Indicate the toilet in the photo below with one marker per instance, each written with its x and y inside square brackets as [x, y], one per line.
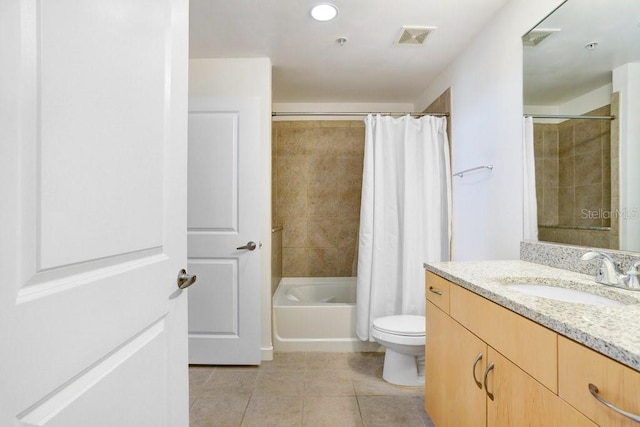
[403, 337]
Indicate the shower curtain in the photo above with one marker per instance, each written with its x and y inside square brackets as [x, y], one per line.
[404, 216]
[529, 203]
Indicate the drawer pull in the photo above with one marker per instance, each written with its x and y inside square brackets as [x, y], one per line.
[435, 291]
[486, 373]
[594, 392]
[473, 369]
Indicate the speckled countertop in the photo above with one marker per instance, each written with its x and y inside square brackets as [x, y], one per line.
[612, 331]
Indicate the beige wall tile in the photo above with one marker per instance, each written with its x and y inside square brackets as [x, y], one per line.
[588, 167]
[550, 172]
[322, 202]
[295, 232]
[322, 262]
[295, 262]
[317, 194]
[595, 238]
[550, 204]
[550, 144]
[566, 205]
[292, 202]
[588, 136]
[565, 139]
[566, 171]
[322, 233]
[588, 205]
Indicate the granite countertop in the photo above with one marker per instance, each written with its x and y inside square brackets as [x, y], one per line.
[612, 331]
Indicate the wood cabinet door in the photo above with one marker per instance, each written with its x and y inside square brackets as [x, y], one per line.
[519, 400]
[452, 397]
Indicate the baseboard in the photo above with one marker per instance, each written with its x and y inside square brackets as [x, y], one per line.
[266, 353]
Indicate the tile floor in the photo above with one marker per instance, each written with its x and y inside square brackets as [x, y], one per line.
[304, 389]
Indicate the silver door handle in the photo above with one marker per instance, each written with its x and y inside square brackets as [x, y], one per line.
[594, 392]
[473, 369]
[185, 280]
[250, 246]
[486, 374]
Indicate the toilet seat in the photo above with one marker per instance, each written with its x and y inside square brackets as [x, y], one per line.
[403, 325]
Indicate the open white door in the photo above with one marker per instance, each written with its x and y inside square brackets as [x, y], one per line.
[224, 215]
[93, 121]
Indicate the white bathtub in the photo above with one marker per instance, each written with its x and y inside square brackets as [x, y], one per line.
[316, 314]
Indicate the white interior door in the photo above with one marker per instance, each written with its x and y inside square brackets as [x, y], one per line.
[223, 215]
[93, 111]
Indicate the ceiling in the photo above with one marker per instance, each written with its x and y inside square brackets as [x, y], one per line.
[560, 68]
[309, 65]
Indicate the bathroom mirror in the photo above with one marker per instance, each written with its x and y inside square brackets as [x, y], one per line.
[584, 59]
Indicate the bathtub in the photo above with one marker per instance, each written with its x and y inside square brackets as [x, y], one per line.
[316, 314]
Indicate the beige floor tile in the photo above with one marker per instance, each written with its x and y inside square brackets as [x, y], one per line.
[327, 361]
[286, 361]
[230, 382]
[317, 386]
[198, 377]
[218, 411]
[370, 385]
[279, 383]
[397, 411]
[273, 411]
[325, 382]
[331, 411]
[366, 363]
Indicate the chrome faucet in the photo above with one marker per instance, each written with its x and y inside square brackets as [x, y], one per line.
[610, 272]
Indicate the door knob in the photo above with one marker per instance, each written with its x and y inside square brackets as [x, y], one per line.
[185, 280]
[250, 246]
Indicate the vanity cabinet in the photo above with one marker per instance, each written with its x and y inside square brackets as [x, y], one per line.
[488, 366]
[580, 366]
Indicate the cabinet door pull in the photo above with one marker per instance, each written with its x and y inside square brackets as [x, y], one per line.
[594, 392]
[435, 291]
[473, 369]
[486, 373]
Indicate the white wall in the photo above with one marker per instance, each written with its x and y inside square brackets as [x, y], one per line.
[577, 106]
[337, 108]
[247, 77]
[486, 91]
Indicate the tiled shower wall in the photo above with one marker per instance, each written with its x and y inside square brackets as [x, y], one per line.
[574, 170]
[317, 181]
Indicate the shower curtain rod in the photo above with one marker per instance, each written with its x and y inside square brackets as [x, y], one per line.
[399, 113]
[568, 116]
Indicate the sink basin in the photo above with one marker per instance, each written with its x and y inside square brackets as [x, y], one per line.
[564, 294]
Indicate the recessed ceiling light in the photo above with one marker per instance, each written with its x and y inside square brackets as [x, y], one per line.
[324, 12]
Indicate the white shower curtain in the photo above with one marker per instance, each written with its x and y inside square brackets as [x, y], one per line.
[529, 205]
[404, 217]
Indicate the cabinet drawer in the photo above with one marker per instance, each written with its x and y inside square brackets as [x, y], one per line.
[618, 384]
[437, 291]
[530, 346]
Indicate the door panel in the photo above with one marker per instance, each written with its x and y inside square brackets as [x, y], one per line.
[224, 309]
[452, 397]
[93, 166]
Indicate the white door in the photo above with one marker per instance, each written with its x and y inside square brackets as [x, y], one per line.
[93, 121]
[223, 215]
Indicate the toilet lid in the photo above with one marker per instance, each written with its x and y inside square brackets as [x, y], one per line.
[407, 325]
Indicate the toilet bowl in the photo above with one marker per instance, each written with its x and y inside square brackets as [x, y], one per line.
[403, 337]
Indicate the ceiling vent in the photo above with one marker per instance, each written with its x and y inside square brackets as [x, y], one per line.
[537, 35]
[415, 35]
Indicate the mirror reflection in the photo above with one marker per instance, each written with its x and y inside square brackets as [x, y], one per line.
[582, 86]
